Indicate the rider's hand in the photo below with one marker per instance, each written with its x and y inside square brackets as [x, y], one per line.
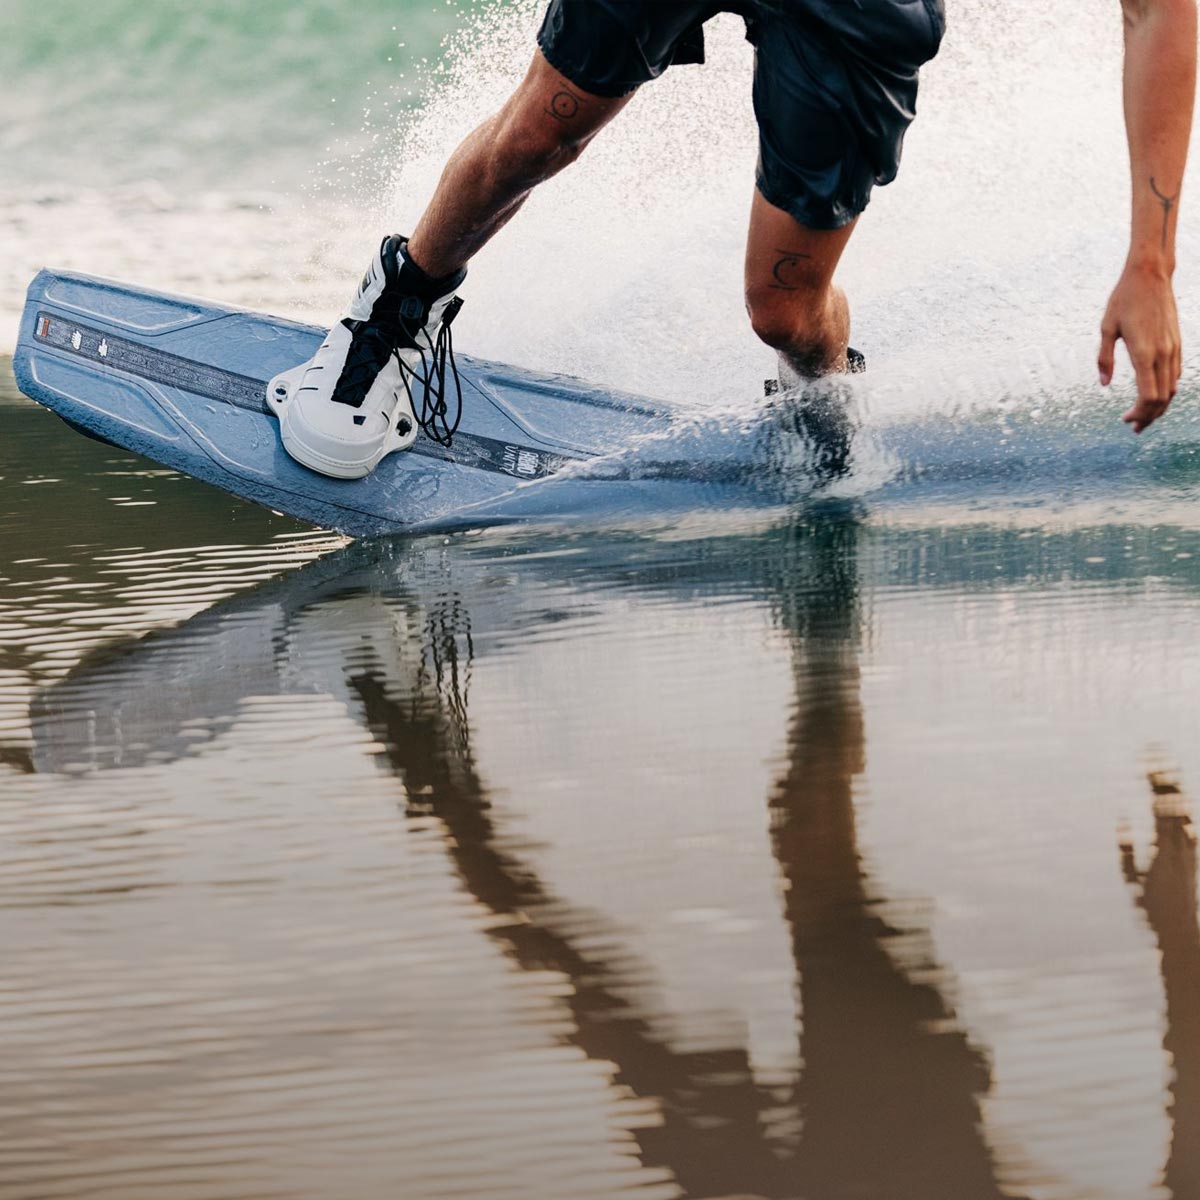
[1142, 313]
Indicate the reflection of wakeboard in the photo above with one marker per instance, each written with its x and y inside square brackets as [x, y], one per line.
[183, 382]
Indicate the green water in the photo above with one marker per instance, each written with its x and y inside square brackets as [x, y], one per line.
[215, 94]
[241, 151]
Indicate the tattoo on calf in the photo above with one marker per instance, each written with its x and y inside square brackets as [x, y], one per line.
[1168, 203]
[783, 272]
[563, 106]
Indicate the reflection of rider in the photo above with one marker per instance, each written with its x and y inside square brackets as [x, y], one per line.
[712, 1136]
[1166, 893]
[889, 1093]
[887, 1101]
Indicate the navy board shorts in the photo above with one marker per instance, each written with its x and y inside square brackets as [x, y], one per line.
[835, 81]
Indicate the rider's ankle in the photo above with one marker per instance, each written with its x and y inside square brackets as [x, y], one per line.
[437, 285]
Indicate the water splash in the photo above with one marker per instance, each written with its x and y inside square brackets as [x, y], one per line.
[979, 276]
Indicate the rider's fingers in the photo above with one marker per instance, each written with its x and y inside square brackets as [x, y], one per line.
[1143, 414]
[1164, 373]
[1149, 405]
[1108, 348]
[1147, 377]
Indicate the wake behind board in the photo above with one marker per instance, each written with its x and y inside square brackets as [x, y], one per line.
[183, 382]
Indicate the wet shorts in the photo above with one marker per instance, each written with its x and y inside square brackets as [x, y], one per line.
[835, 81]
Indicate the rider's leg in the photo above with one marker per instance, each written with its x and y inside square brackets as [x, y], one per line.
[387, 368]
[542, 128]
[793, 303]
[835, 88]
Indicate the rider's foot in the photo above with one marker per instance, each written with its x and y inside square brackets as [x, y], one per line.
[819, 410]
[379, 375]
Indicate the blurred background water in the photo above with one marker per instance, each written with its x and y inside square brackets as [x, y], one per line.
[842, 852]
[185, 144]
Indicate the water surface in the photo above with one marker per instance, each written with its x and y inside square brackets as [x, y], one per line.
[848, 855]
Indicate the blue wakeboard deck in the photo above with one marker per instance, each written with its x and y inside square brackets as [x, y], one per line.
[183, 382]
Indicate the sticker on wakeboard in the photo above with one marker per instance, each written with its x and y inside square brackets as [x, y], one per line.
[146, 362]
[214, 383]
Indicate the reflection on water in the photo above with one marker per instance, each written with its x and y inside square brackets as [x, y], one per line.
[769, 863]
[1166, 893]
[888, 1095]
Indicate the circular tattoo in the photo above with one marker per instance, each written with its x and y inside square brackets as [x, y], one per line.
[563, 107]
[785, 267]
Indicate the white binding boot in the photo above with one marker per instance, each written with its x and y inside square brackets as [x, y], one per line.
[380, 374]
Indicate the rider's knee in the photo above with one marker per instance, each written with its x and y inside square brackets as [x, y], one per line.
[792, 321]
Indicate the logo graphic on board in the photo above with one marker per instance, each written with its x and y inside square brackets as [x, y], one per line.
[77, 339]
[518, 461]
[102, 349]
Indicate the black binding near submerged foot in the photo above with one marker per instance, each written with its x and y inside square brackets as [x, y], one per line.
[819, 416]
[856, 364]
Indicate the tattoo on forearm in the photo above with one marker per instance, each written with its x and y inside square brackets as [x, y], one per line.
[563, 106]
[784, 270]
[1168, 203]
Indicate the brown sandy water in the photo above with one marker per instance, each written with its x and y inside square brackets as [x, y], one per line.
[847, 858]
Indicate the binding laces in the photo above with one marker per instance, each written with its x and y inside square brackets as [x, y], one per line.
[438, 418]
[439, 412]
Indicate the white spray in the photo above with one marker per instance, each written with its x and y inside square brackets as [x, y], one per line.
[978, 277]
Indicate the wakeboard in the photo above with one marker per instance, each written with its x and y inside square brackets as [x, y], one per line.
[183, 382]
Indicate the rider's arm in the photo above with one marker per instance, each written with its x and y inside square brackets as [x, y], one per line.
[1160, 86]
